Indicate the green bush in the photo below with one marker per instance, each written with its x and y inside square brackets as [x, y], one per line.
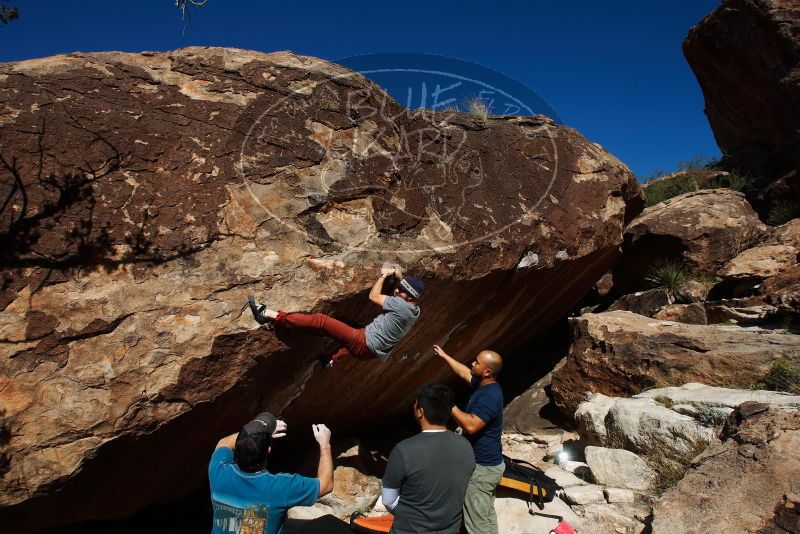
[669, 274]
[784, 375]
[660, 190]
[710, 417]
[693, 175]
[734, 181]
[671, 465]
[783, 212]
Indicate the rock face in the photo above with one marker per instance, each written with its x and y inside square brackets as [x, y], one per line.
[147, 194]
[694, 313]
[643, 302]
[741, 484]
[724, 400]
[760, 262]
[703, 229]
[639, 425]
[354, 490]
[528, 412]
[746, 56]
[619, 468]
[620, 353]
[783, 290]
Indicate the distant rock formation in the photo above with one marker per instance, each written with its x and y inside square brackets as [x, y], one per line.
[746, 56]
[146, 195]
[702, 229]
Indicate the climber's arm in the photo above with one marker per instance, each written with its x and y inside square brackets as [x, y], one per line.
[375, 294]
[458, 368]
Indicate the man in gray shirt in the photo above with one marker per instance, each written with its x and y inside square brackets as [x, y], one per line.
[427, 474]
[400, 312]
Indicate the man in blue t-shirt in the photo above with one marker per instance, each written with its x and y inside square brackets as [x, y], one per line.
[248, 499]
[482, 423]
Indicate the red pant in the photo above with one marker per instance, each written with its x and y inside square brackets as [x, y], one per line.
[353, 340]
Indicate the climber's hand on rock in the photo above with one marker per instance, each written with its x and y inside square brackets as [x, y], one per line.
[280, 430]
[439, 352]
[387, 268]
[322, 434]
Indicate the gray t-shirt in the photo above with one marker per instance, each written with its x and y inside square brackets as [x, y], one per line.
[396, 319]
[431, 470]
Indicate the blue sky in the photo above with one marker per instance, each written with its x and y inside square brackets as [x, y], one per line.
[612, 70]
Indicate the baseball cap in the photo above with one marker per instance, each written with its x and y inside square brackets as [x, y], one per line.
[253, 441]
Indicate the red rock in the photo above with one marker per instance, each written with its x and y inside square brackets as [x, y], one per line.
[693, 313]
[620, 354]
[702, 229]
[746, 56]
[162, 188]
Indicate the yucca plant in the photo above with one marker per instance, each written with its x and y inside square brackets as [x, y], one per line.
[783, 212]
[478, 110]
[669, 274]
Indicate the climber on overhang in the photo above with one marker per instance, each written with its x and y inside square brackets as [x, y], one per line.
[400, 312]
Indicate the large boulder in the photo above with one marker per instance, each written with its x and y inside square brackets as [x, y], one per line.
[742, 483]
[760, 262]
[354, 489]
[742, 275]
[639, 425]
[703, 398]
[783, 290]
[702, 229]
[746, 56]
[619, 468]
[146, 195]
[619, 354]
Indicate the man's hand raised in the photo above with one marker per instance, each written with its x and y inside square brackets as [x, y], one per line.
[458, 368]
[280, 429]
[439, 351]
[322, 434]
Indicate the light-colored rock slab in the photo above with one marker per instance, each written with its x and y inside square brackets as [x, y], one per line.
[619, 495]
[513, 516]
[641, 425]
[584, 494]
[760, 262]
[696, 394]
[619, 468]
[564, 478]
[607, 515]
[590, 417]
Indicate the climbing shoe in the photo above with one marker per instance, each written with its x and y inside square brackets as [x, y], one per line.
[257, 310]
